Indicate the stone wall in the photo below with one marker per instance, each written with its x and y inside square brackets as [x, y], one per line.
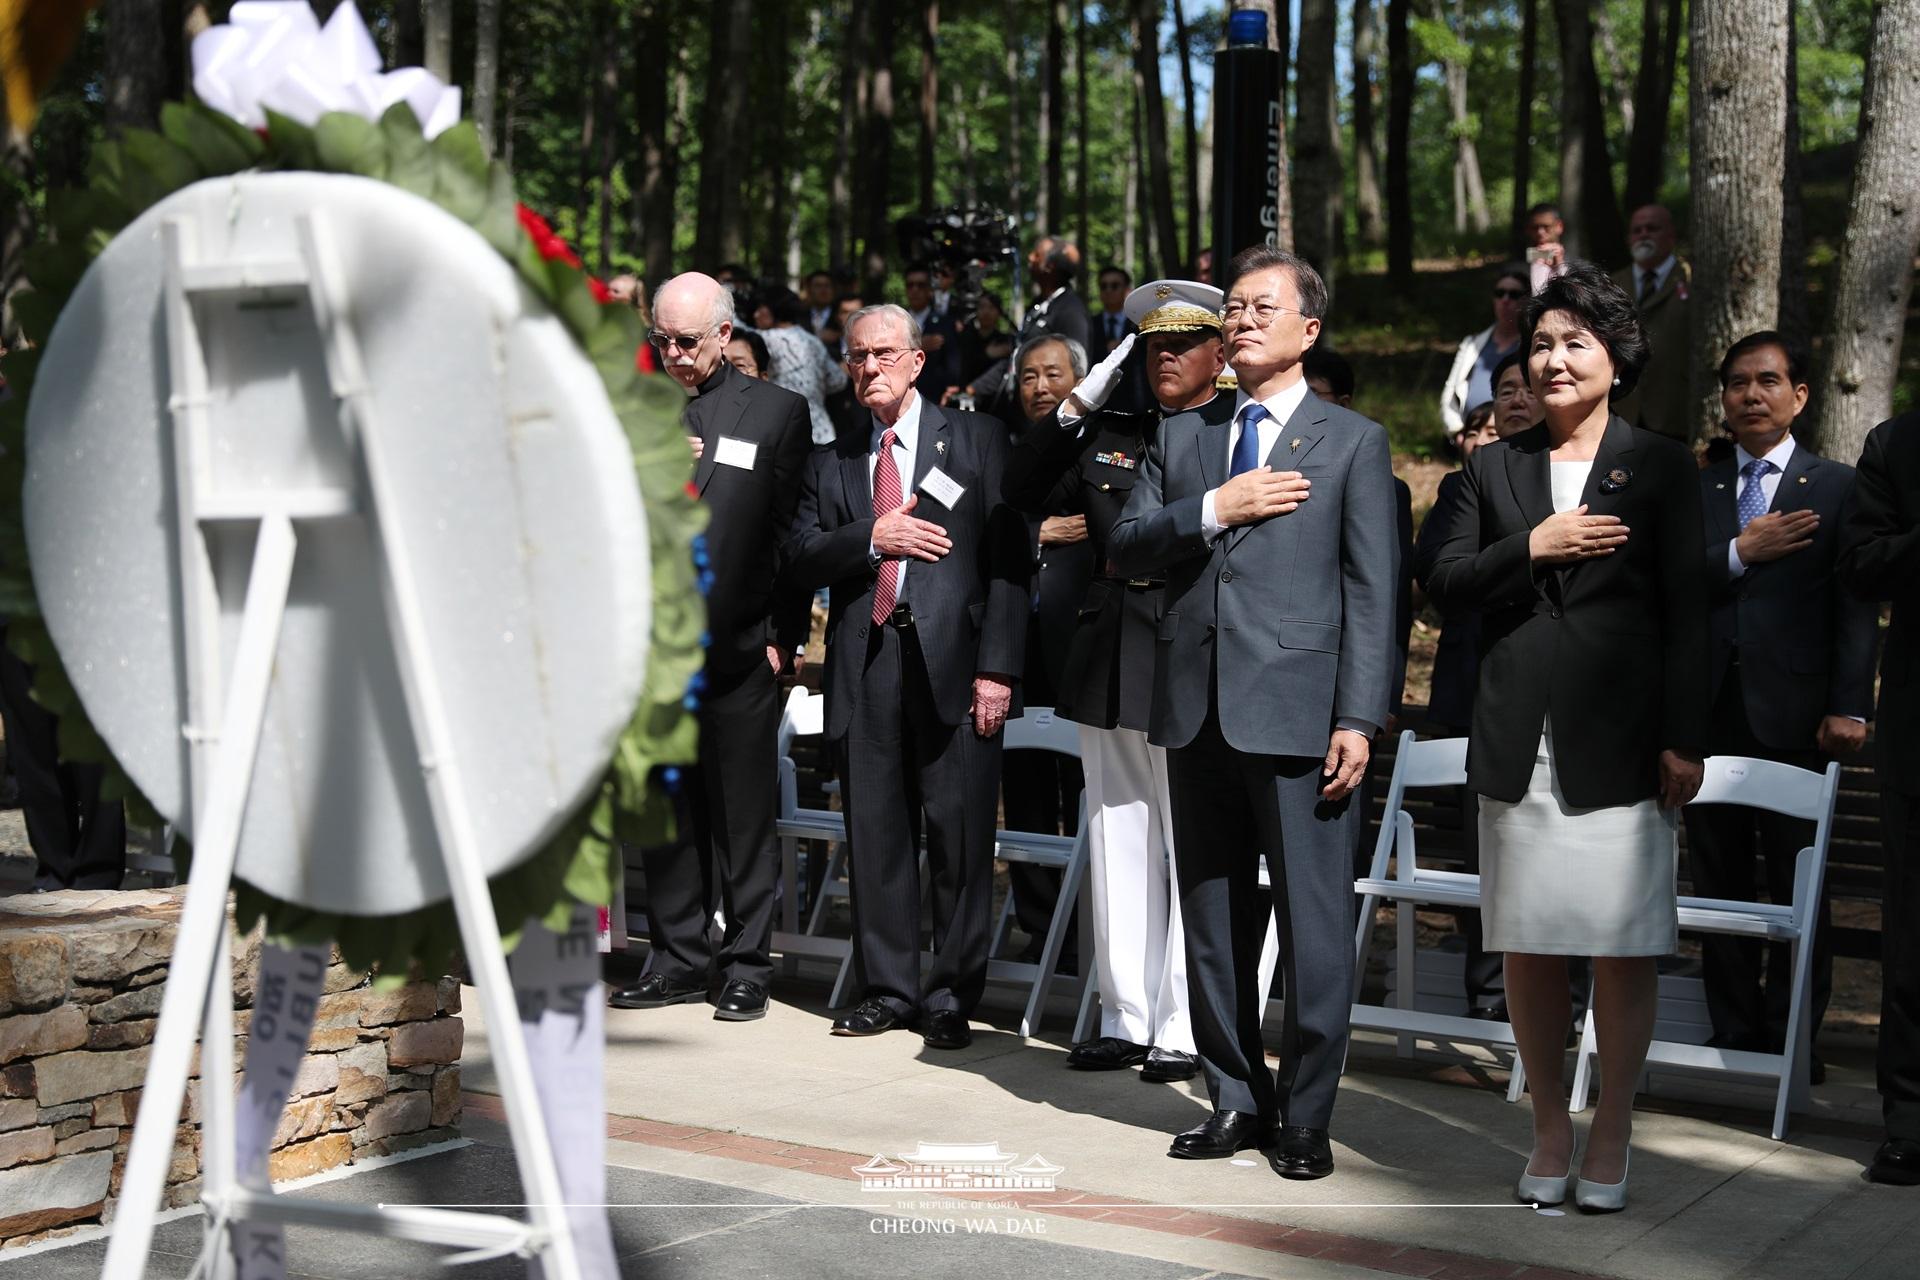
[81, 977]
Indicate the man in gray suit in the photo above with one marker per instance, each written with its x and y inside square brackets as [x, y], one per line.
[1275, 664]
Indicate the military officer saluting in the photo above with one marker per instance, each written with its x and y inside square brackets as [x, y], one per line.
[1082, 460]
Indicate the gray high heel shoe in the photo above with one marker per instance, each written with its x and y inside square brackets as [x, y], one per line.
[1532, 1188]
[1603, 1197]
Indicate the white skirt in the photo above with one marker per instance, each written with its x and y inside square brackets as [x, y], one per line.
[1556, 880]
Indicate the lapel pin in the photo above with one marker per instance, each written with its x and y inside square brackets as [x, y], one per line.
[1720, 486]
[940, 447]
[1616, 480]
[1803, 479]
[1294, 444]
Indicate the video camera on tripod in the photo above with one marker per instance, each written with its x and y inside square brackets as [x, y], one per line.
[972, 240]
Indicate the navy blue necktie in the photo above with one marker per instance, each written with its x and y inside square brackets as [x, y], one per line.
[1246, 450]
[1753, 496]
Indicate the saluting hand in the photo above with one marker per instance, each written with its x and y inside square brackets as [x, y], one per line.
[1257, 494]
[900, 533]
[1571, 536]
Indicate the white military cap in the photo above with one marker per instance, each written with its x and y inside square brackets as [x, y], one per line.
[1175, 306]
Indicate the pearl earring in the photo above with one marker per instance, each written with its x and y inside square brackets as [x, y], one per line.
[1616, 382]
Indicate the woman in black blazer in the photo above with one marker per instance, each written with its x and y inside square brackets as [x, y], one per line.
[1580, 542]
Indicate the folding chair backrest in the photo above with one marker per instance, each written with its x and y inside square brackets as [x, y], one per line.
[1039, 729]
[1435, 762]
[804, 716]
[1770, 785]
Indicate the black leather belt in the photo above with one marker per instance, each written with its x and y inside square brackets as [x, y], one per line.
[901, 617]
[1144, 584]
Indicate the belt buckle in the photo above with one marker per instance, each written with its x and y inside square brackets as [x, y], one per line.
[901, 617]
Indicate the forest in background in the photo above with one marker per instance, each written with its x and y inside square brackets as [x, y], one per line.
[790, 135]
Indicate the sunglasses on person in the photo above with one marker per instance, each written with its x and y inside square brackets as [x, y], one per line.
[685, 341]
[1511, 295]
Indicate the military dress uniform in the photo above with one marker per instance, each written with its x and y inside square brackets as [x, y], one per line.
[1087, 466]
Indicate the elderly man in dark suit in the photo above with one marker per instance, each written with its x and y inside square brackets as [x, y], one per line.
[927, 571]
[750, 440]
[1275, 663]
[1880, 560]
[1659, 282]
[1792, 670]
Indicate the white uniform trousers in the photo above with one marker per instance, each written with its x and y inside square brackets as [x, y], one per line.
[1139, 949]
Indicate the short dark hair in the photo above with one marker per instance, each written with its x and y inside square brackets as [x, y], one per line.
[917, 268]
[1061, 258]
[762, 358]
[1306, 281]
[1114, 269]
[1325, 362]
[786, 306]
[1545, 206]
[820, 274]
[1515, 271]
[1517, 356]
[988, 295]
[1796, 360]
[1604, 309]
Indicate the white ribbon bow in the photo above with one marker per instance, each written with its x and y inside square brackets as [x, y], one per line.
[273, 54]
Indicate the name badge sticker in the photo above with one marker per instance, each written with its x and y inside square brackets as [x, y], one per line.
[736, 453]
[943, 487]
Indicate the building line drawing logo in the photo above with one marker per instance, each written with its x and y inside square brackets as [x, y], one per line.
[957, 1166]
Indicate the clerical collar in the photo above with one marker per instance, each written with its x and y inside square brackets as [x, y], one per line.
[714, 379]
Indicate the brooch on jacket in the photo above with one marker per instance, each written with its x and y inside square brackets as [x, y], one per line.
[1116, 459]
[1616, 480]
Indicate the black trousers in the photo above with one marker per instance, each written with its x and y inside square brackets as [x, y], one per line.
[1732, 851]
[733, 854]
[1039, 791]
[899, 765]
[78, 839]
[1230, 807]
[1900, 962]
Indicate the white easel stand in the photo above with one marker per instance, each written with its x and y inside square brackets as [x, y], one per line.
[199, 986]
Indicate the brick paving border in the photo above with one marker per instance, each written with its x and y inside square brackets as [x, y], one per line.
[1299, 1242]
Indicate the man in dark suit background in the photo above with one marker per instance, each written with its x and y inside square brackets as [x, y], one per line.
[1880, 560]
[1275, 660]
[1111, 326]
[750, 440]
[939, 337]
[927, 573]
[1792, 672]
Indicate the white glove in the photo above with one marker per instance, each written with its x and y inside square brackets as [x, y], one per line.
[1099, 382]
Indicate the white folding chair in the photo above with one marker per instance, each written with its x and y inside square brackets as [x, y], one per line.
[1439, 762]
[1795, 793]
[804, 717]
[1037, 729]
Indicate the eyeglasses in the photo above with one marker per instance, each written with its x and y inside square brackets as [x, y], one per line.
[685, 341]
[1261, 313]
[887, 356]
[1511, 294]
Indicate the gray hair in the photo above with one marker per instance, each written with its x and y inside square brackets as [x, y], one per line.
[1076, 353]
[719, 298]
[888, 311]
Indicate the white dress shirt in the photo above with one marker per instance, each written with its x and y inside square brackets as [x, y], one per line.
[906, 444]
[1779, 456]
[1280, 407]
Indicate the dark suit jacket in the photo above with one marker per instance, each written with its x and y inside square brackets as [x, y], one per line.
[1402, 591]
[751, 513]
[1297, 610]
[1806, 646]
[1880, 560]
[970, 607]
[1109, 669]
[1065, 316]
[1456, 660]
[1615, 648]
[1098, 344]
[942, 369]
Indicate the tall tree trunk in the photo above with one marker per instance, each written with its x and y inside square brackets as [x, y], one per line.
[1736, 97]
[1146, 61]
[929, 97]
[786, 74]
[1182, 37]
[853, 62]
[1316, 140]
[599, 35]
[1083, 172]
[878, 151]
[1016, 119]
[1883, 233]
[1618, 82]
[1053, 120]
[1652, 95]
[1366, 165]
[1594, 227]
[17, 230]
[1399, 130]
[136, 70]
[1794, 323]
[656, 185]
[436, 31]
[407, 35]
[1470, 193]
[486, 68]
[607, 86]
[963, 139]
[1523, 120]
[1130, 194]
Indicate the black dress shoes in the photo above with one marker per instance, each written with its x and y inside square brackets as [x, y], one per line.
[1300, 1153]
[657, 991]
[1223, 1134]
[1896, 1163]
[742, 1001]
[945, 1029]
[1165, 1066]
[870, 1017]
[1106, 1053]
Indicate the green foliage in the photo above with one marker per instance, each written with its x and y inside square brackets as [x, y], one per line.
[143, 168]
